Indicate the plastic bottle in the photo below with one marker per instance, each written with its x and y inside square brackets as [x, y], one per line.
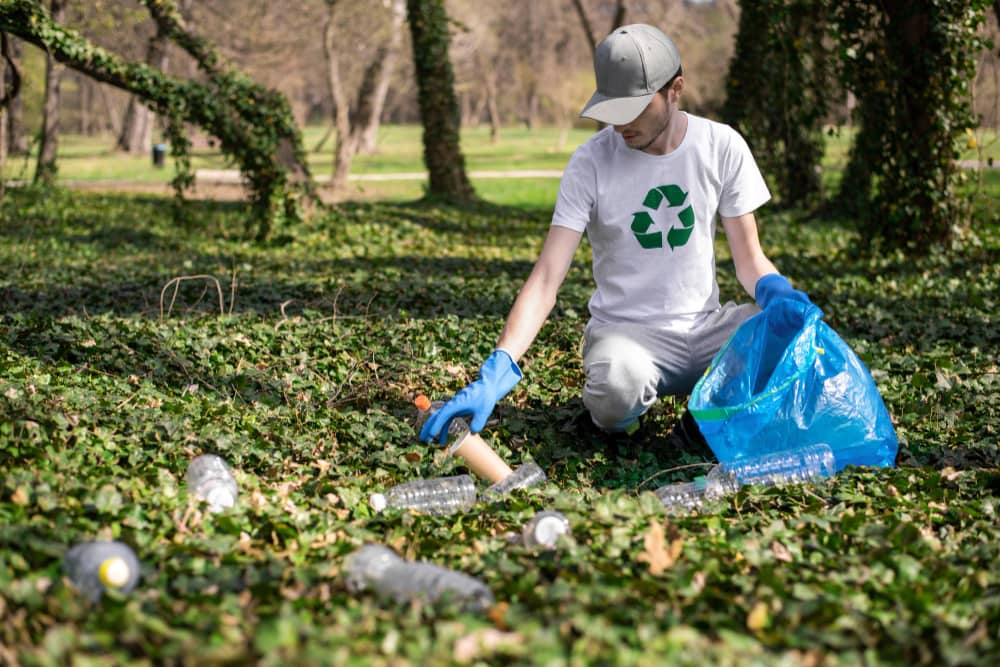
[682, 496]
[94, 567]
[544, 529]
[209, 479]
[793, 466]
[478, 456]
[379, 568]
[437, 495]
[527, 475]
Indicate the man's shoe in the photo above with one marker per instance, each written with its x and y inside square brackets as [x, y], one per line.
[686, 434]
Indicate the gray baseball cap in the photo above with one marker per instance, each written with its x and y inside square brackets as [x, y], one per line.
[631, 65]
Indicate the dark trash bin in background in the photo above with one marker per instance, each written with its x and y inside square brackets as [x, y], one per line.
[159, 154]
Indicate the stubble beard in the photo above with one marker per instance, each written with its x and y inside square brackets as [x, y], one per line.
[663, 128]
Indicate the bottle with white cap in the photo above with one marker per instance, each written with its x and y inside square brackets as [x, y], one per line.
[544, 529]
[95, 567]
[436, 495]
[209, 479]
[379, 568]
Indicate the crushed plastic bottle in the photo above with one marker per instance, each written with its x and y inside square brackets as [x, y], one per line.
[437, 495]
[544, 529]
[95, 567]
[478, 456]
[380, 569]
[794, 466]
[458, 429]
[209, 479]
[526, 475]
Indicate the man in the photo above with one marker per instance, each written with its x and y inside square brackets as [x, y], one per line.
[646, 190]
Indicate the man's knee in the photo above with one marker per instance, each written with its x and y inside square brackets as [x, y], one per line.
[620, 386]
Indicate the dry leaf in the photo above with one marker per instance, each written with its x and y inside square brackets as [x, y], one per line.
[781, 552]
[655, 553]
[758, 617]
[698, 581]
[20, 496]
[498, 615]
[950, 473]
[483, 642]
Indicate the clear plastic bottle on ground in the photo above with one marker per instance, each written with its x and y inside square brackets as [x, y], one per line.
[209, 479]
[95, 567]
[380, 569]
[793, 466]
[437, 495]
[477, 454]
[544, 529]
[527, 475]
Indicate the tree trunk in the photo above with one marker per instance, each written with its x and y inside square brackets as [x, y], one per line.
[136, 136]
[436, 98]
[585, 23]
[113, 122]
[4, 93]
[488, 77]
[45, 170]
[371, 122]
[17, 138]
[344, 151]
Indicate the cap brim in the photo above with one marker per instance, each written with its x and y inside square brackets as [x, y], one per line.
[615, 110]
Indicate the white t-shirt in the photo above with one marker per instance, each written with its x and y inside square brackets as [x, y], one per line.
[651, 219]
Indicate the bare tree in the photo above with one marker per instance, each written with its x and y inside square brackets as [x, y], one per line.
[616, 22]
[45, 170]
[136, 135]
[372, 102]
[344, 152]
[357, 124]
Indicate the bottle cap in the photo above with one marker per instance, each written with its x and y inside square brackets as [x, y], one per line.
[114, 572]
[422, 402]
[547, 528]
[378, 502]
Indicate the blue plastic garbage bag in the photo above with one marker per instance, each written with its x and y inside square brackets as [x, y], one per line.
[785, 379]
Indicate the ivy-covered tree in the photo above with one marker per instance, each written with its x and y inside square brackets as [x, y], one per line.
[48, 143]
[777, 92]
[254, 125]
[439, 110]
[911, 65]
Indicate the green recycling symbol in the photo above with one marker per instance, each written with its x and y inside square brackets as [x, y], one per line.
[642, 220]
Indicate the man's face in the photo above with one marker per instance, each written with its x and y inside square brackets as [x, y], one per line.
[648, 129]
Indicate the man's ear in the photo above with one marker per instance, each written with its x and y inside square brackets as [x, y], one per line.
[677, 87]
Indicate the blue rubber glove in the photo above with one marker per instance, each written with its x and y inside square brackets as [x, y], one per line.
[497, 377]
[774, 286]
[772, 292]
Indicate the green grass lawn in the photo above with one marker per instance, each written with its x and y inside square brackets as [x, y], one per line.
[303, 381]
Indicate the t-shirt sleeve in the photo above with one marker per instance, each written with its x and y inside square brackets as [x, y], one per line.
[743, 188]
[576, 192]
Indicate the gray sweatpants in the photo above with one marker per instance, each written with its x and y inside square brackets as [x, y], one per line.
[629, 366]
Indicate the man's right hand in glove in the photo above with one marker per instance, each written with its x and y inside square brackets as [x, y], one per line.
[497, 376]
